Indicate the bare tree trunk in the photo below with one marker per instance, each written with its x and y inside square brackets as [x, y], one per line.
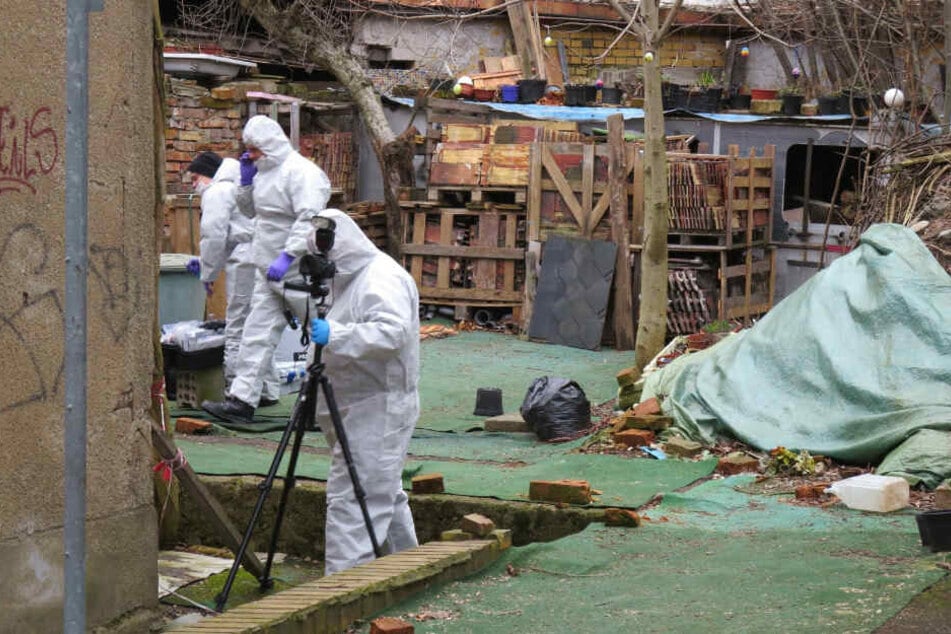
[652, 317]
[285, 26]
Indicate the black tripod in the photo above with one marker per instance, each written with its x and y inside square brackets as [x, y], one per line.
[302, 418]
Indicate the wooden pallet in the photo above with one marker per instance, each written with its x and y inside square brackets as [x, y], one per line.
[461, 195]
[465, 257]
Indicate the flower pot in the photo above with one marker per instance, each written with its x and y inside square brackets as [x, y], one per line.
[828, 104]
[740, 102]
[510, 93]
[704, 100]
[484, 94]
[590, 94]
[611, 95]
[859, 105]
[792, 105]
[574, 95]
[763, 93]
[531, 90]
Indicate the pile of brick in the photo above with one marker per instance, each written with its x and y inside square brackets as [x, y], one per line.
[476, 526]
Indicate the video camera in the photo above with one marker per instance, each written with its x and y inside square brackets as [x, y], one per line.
[316, 267]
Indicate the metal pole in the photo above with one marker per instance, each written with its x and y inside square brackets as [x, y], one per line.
[806, 191]
[74, 438]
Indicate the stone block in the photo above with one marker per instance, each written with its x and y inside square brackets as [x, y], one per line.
[390, 625]
[942, 495]
[456, 535]
[566, 491]
[213, 122]
[478, 525]
[737, 462]
[633, 437]
[507, 423]
[766, 106]
[627, 376]
[621, 517]
[503, 536]
[681, 447]
[627, 396]
[654, 423]
[428, 483]
[223, 93]
[650, 407]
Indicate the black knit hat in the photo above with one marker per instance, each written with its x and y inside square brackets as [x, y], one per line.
[206, 164]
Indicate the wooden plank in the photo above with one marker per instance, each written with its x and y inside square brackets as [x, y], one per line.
[562, 186]
[534, 191]
[624, 335]
[587, 182]
[419, 237]
[461, 251]
[488, 236]
[508, 268]
[739, 270]
[205, 500]
[445, 238]
[521, 34]
[470, 294]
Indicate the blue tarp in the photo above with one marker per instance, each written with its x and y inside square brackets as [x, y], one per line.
[851, 364]
[586, 114]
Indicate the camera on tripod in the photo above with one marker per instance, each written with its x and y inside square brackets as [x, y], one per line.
[316, 267]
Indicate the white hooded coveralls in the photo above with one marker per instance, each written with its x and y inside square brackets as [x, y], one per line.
[226, 245]
[288, 190]
[372, 361]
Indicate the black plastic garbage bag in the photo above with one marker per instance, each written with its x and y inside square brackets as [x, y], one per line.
[556, 408]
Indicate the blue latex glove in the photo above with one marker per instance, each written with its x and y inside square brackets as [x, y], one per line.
[248, 169]
[194, 267]
[209, 288]
[279, 266]
[319, 331]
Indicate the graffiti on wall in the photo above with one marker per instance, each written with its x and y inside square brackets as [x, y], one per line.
[29, 148]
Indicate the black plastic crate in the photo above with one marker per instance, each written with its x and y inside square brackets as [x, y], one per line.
[934, 527]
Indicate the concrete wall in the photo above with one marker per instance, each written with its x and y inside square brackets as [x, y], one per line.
[121, 527]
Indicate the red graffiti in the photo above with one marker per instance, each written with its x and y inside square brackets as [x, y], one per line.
[28, 148]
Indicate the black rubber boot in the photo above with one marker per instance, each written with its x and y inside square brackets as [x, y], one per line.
[268, 402]
[231, 410]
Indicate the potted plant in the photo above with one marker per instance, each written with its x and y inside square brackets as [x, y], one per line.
[833, 102]
[704, 95]
[791, 96]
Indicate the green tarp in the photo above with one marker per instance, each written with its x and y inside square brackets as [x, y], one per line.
[848, 366]
[711, 559]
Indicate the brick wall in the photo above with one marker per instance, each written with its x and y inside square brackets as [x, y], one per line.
[682, 55]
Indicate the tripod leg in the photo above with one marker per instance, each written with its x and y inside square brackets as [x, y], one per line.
[348, 458]
[265, 488]
[289, 481]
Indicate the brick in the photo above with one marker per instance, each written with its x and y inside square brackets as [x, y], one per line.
[633, 437]
[507, 423]
[811, 491]
[215, 104]
[942, 495]
[681, 447]
[627, 376]
[390, 625]
[191, 135]
[477, 524]
[455, 535]
[187, 425]
[567, 491]
[650, 407]
[737, 463]
[621, 517]
[428, 483]
[213, 122]
[654, 423]
[503, 536]
[223, 93]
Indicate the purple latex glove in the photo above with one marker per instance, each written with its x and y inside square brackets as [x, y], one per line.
[279, 266]
[319, 331]
[194, 267]
[209, 288]
[248, 169]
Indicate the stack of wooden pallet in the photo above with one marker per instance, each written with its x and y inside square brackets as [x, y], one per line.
[371, 217]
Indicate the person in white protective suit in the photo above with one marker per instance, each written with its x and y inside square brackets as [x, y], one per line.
[226, 246]
[370, 349]
[286, 191]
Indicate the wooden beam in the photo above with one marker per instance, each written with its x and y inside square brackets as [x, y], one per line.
[563, 187]
[624, 335]
[453, 251]
[205, 500]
